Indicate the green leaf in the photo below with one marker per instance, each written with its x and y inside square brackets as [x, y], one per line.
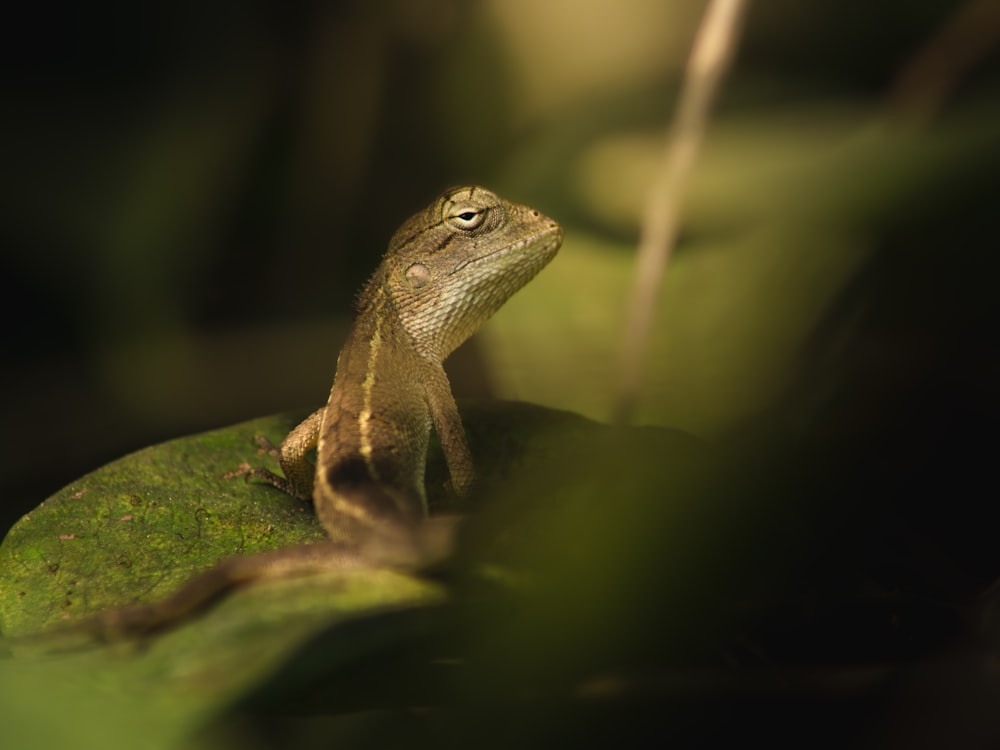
[134, 530]
[131, 532]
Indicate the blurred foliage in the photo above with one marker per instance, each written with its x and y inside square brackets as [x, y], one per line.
[193, 196]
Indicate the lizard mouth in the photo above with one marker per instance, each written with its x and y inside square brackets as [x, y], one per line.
[545, 240]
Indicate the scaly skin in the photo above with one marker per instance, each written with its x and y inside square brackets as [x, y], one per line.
[447, 270]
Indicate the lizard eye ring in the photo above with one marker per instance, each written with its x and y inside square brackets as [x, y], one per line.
[466, 218]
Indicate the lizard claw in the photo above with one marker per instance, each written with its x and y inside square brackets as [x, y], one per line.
[249, 472]
[270, 478]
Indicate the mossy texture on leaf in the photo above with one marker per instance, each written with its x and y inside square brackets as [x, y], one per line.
[132, 532]
[134, 529]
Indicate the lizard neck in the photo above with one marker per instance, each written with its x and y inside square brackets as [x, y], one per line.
[375, 428]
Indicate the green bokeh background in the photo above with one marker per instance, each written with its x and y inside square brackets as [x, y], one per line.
[191, 197]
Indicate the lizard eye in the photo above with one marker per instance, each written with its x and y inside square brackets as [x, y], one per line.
[467, 219]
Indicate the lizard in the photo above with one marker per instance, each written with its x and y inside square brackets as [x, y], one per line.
[447, 270]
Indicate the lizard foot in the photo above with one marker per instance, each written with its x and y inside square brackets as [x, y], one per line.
[249, 472]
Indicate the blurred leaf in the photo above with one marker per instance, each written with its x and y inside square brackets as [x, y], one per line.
[783, 210]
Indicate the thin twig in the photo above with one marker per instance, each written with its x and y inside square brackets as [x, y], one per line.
[710, 55]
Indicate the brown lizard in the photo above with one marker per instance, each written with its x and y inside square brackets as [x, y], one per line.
[447, 270]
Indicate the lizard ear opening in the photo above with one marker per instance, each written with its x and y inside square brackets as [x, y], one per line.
[418, 275]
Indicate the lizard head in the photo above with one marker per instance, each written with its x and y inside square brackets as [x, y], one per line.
[454, 264]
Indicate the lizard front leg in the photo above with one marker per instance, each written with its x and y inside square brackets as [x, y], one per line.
[448, 424]
[299, 473]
